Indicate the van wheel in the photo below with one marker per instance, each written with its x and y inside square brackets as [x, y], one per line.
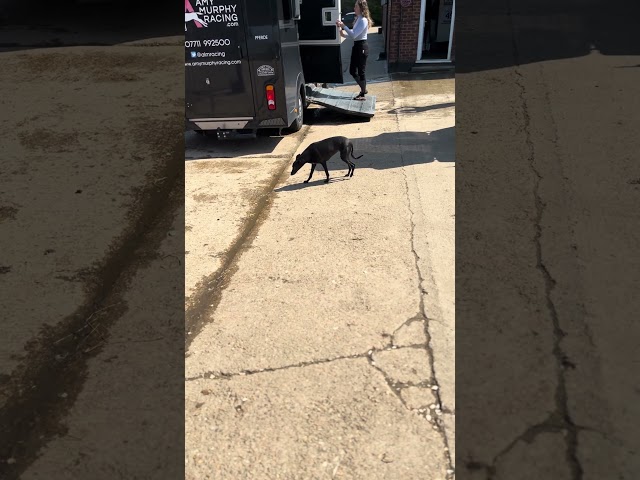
[298, 122]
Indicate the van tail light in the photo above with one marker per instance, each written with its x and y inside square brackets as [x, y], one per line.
[271, 97]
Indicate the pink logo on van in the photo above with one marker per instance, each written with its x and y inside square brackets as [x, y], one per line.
[191, 15]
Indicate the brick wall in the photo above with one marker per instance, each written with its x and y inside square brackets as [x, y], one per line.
[401, 34]
[402, 37]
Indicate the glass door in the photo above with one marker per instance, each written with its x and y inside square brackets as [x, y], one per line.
[436, 31]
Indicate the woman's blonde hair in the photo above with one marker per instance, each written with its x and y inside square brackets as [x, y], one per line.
[364, 10]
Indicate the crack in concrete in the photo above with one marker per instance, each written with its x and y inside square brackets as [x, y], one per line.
[582, 309]
[423, 411]
[395, 386]
[422, 313]
[562, 408]
[406, 323]
[219, 375]
[390, 383]
[553, 424]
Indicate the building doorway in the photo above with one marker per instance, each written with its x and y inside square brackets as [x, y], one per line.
[436, 31]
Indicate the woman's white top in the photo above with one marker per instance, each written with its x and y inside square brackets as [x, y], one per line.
[359, 31]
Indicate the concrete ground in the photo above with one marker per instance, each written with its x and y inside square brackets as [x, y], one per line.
[550, 205]
[320, 317]
[91, 217]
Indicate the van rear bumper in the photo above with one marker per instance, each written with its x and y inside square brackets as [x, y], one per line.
[218, 123]
[239, 123]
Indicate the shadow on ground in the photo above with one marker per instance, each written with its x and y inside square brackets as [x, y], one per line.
[326, 116]
[199, 146]
[382, 152]
[320, 180]
[204, 146]
[486, 32]
[411, 110]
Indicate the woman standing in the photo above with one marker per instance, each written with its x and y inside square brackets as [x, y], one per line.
[360, 50]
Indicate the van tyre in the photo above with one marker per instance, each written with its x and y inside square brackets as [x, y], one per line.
[299, 121]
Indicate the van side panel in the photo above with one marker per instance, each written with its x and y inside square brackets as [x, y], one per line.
[217, 76]
[234, 49]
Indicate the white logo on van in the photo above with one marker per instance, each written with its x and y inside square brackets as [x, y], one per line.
[266, 71]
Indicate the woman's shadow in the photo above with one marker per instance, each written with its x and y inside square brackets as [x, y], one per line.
[389, 150]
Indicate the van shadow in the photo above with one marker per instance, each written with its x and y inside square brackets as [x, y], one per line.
[326, 116]
[318, 115]
[199, 147]
[383, 152]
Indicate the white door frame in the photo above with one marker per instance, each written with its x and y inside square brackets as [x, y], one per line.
[423, 8]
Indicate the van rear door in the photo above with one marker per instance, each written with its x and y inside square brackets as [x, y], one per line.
[320, 41]
[217, 77]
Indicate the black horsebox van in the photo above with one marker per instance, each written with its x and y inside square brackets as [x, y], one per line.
[248, 61]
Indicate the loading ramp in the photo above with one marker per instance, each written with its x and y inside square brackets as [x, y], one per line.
[341, 101]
